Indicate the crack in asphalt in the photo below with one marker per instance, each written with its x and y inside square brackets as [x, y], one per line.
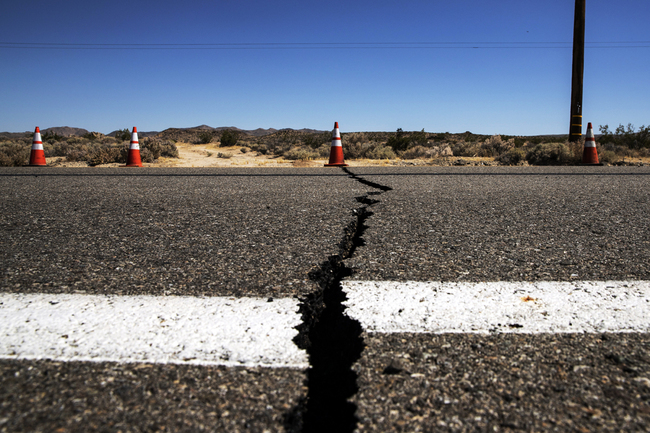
[331, 338]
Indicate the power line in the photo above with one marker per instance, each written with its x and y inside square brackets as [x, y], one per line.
[322, 45]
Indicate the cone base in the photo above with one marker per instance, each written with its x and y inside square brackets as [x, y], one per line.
[590, 156]
[336, 157]
[37, 158]
[133, 158]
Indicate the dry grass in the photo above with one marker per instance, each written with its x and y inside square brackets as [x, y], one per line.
[636, 160]
[288, 148]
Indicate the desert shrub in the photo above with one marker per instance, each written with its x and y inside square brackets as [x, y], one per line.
[576, 149]
[146, 155]
[76, 141]
[512, 157]
[381, 152]
[92, 136]
[441, 136]
[300, 154]
[123, 135]
[619, 150]
[316, 140]
[367, 150]
[626, 136]
[644, 153]
[168, 149]
[551, 154]
[154, 147]
[465, 148]
[260, 148]
[75, 155]
[229, 138]
[51, 137]
[608, 157]
[60, 148]
[48, 150]
[324, 150]
[106, 155]
[282, 141]
[279, 146]
[356, 137]
[14, 154]
[74, 149]
[224, 155]
[495, 146]
[399, 141]
[443, 150]
[521, 141]
[418, 138]
[279, 143]
[356, 149]
[205, 137]
[158, 148]
[418, 152]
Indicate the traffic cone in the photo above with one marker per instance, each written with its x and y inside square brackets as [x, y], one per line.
[590, 154]
[133, 157]
[37, 157]
[336, 150]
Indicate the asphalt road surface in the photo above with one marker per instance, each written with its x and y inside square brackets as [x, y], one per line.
[293, 242]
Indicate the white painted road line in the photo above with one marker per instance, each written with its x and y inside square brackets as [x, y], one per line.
[514, 307]
[151, 329]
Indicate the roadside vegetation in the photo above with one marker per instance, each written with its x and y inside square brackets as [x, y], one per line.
[95, 148]
[613, 147]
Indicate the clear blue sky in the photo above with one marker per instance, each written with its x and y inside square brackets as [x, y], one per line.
[522, 87]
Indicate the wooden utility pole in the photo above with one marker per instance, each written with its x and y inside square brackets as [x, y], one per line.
[575, 131]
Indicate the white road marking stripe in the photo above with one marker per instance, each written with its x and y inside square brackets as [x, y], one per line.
[151, 329]
[518, 307]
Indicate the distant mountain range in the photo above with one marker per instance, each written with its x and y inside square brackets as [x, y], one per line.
[186, 134]
[67, 131]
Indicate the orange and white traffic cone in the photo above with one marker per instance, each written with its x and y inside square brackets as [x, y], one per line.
[37, 157]
[133, 157]
[590, 154]
[336, 150]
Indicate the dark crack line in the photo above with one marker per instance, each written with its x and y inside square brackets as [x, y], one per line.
[383, 188]
[331, 338]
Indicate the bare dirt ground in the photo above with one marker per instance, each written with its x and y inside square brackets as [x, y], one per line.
[211, 155]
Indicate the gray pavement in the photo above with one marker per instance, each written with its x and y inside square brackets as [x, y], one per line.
[497, 224]
[190, 232]
[508, 224]
[48, 396]
[233, 232]
[504, 383]
[257, 232]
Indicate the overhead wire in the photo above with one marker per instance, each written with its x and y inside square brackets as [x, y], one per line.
[320, 45]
